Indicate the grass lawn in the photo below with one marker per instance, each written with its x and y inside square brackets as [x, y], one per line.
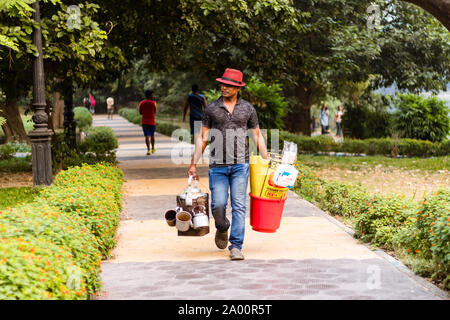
[10, 197]
[358, 163]
[410, 177]
[175, 120]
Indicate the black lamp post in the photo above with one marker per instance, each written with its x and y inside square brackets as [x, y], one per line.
[40, 136]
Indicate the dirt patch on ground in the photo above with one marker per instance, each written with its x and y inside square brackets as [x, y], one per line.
[19, 179]
[413, 184]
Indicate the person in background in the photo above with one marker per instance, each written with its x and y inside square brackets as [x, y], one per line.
[196, 103]
[87, 103]
[313, 123]
[324, 118]
[110, 107]
[147, 108]
[338, 121]
[92, 103]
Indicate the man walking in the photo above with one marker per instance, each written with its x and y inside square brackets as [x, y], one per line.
[110, 107]
[228, 119]
[147, 108]
[195, 102]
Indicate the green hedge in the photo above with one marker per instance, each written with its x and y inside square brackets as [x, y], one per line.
[99, 146]
[64, 233]
[131, 115]
[382, 146]
[390, 222]
[83, 118]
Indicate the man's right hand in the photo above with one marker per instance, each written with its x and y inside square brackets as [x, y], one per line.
[193, 172]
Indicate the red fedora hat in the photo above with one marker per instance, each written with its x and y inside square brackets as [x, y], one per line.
[232, 77]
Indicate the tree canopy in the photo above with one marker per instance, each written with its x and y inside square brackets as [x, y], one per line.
[313, 48]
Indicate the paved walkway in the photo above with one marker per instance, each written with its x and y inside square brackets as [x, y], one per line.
[311, 256]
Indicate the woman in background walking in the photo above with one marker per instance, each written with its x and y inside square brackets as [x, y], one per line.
[338, 121]
[92, 105]
[324, 118]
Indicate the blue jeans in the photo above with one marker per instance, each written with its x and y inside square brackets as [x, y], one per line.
[339, 129]
[233, 178]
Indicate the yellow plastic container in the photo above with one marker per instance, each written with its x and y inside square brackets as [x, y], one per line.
[261, 171]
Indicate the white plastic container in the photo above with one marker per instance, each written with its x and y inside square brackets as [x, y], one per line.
[285, 176]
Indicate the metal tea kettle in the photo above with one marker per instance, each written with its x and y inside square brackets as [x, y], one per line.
[191, 192]
[200, 218]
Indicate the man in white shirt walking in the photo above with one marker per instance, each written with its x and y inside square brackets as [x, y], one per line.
[110, 107]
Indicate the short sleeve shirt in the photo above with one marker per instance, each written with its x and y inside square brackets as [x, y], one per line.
[110, 103]
[229, 142]
[148, 110]
[196, 106]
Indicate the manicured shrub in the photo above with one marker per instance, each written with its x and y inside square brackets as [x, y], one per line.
[373, 146]
[83, 118]
[53, 246]
[417, 148]
[166, 128]
[443, 148]
[380, 218]
[36, 269]
[343, 199]
[382, 146]
[352, 146]
[94, 197]
[7, 151]
[427, 234]
[103, 176]
[100, 140]
[419, 117]
[308, 184]
[131, 115]
[98, 146]
[39, 220]
[310, 144]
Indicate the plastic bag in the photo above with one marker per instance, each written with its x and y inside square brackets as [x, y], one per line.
[289, 155]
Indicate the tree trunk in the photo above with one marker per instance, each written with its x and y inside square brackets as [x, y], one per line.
[69, 122]
[299, 119]
[58, 111]
[440, 9]
[13, 128]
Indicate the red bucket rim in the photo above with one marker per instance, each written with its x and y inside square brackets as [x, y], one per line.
[265, 199]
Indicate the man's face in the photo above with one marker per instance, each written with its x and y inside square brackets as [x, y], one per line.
[229, 91]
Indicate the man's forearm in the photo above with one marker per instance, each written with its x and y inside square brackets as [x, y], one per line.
[200, 146]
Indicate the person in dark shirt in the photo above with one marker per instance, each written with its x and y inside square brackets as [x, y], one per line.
[196, 103]
[147, 108]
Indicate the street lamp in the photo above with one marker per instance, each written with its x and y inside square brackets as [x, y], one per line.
[40, 136]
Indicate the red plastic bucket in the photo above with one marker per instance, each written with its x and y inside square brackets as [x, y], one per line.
[265, 214]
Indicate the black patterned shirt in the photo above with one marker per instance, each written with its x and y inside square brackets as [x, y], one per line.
[229, 132]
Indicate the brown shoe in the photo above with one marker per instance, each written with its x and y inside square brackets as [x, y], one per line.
[221, 239]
